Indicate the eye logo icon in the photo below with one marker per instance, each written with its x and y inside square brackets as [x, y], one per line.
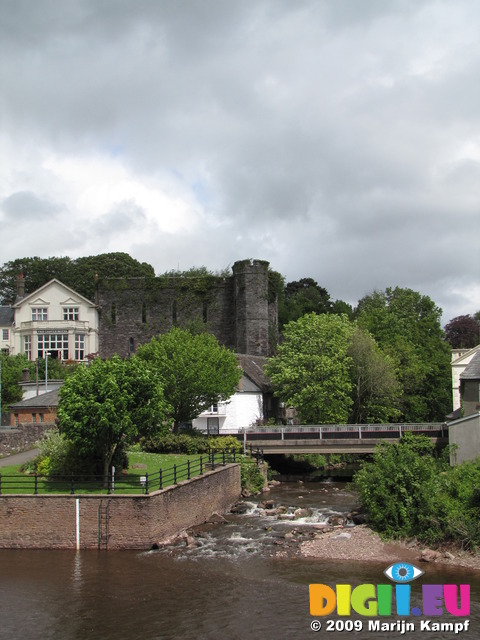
[402, 572]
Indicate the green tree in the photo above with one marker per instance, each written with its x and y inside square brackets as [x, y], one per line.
[36, 272]
[79, 274]
[409, 491]
[195, 371]
[57, 369]
[302, 297]
[12, 367]
[311, 370]
[106, 265]
[375, 388]
[406, 326]
[109, 403]
[398, 488]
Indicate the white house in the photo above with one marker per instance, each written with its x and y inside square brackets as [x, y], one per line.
[252, 403]
[461, 358]
[56, 320]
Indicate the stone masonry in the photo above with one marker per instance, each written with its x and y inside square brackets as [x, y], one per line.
[237, 309]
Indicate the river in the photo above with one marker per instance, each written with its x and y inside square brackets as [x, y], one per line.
[240, 580]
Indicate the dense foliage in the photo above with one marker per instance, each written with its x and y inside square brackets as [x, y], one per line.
[58, 456]
[12, 373]
[252, 478]
[304, 296]
[408, 491]
[12, 367]
[463, 332]
[406, 326]
[376, 391]
[190, 443]
[194, 370]
[311, 370]
[110, 403]
[79, 274]
[334, 372]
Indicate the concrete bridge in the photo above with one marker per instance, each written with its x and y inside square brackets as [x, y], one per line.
[338, 438]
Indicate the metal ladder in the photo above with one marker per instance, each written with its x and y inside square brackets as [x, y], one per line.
[103, 518]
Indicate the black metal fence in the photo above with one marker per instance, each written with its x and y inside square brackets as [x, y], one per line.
[122, 483]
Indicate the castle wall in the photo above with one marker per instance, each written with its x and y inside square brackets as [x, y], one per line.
[234, 309]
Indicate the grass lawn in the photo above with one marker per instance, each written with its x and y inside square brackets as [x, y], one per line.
[128, 481]
[156, 461]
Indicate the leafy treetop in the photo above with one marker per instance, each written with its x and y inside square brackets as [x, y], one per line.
[78, 274]
[194, 370]
[463, 332]
[406, 326]
[111, 402]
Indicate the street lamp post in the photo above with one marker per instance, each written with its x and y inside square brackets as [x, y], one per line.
[47, 353]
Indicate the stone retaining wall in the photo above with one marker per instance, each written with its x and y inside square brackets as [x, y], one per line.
[22, 438]
[115, 522]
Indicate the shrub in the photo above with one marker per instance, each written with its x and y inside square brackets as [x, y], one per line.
[398, 489]
[57, 457]
[252, 478]
[55, 454]
[190, 444]
[225, 443]
[408, 492]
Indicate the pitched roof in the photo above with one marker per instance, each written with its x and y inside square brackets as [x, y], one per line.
[253, 368]
[43, 401]
[461, 355]
[7, 316]
[472, 370]
[18, 303]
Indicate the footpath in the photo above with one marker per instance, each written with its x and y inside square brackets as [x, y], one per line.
[18, 458]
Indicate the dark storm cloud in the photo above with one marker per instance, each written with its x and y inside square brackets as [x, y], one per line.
[338, 139]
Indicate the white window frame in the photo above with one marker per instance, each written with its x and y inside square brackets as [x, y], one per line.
[71, 313]
[79, 346]
[39, 314]
[5, 334]
[27, 347]
[48, 342]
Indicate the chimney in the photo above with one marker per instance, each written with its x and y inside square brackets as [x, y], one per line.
[20, 286]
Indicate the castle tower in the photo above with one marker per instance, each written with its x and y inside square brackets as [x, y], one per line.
[251, 307]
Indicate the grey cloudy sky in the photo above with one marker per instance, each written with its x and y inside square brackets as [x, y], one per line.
[338, 139]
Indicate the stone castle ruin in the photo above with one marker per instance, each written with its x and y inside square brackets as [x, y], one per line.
[239, 310]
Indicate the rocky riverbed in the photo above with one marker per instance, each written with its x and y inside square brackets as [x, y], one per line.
[311, 521]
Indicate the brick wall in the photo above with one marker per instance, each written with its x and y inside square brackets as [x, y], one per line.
[115, 522]
[33, 415]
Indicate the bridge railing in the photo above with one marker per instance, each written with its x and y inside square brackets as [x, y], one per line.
[341, 431]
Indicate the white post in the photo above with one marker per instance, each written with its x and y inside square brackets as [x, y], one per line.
[77, 521]
[245, 442]
[47, 353]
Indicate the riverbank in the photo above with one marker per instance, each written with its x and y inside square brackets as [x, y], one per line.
[359, 543]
